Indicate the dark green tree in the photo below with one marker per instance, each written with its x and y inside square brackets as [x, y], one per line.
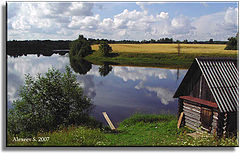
[185, 41]
[104, 48]
[211, 41]
[80, 47]
[232, 43]
[48, 102]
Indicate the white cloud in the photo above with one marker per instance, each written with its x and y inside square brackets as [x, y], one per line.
[106, 23]
[163, 15]
[80, 9]
[218, 26]
[231, 16]
[87, 23]
[181, 25]
[66, 20]
[47, 19]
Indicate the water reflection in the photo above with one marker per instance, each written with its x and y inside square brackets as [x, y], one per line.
[80, 65]
[121, 92]
[105, 69]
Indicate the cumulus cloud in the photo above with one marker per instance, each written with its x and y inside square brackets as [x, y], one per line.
[231, 16]
[181, 25]
[163, 15]
[85, 23]
[80, 9]
[64, 20]
[47, 18]
[219, 25]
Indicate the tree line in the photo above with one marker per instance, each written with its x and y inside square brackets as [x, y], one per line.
[151, 41]
[45, 47]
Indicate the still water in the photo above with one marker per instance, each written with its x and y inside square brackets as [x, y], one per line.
[118, 90]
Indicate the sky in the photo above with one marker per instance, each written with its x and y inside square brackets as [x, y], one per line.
[122, 20]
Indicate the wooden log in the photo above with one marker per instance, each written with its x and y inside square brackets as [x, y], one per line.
[193, 127]
[192, 106]
[208, 130]
[193, 114]
[191, 109]
[180, 120]
[197, 120]
[215, 117]
[192, 122]
[108, 121]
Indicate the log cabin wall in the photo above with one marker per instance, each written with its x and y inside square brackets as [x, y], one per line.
[192, 115]
[201, 118]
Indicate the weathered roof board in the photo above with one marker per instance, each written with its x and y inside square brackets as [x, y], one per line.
[221, 75]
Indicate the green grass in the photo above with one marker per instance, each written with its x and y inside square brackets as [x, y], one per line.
[138, 130]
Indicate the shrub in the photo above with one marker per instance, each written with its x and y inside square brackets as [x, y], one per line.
[232, 43]
[80, 47]
[105, 49]
[48, 102]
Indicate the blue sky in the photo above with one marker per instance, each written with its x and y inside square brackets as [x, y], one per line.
[122, 20]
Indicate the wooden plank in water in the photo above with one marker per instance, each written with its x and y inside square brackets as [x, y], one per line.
[108, 121]
[180, 120]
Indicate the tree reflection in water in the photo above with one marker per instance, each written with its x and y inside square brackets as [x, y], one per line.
[105, 69]
[79, 65]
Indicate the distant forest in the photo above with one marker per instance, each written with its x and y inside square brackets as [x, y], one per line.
[45, 47]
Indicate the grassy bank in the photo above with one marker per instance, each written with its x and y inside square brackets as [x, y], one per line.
[159, 55]
[138, 130]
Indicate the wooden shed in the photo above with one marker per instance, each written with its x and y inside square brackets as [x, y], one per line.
[208, 95]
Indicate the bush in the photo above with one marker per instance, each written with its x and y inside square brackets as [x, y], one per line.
[80, 47]
[48, 102]
[105, 49]
[232, 43]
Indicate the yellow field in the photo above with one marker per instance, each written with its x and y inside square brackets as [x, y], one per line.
[170, 48]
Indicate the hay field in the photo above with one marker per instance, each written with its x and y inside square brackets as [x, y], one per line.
[170, 48]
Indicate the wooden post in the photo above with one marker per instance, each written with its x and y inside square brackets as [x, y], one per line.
[180, 120]
[108, 121]
[178, 47]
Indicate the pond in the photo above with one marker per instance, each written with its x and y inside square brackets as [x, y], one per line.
[118, 90]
